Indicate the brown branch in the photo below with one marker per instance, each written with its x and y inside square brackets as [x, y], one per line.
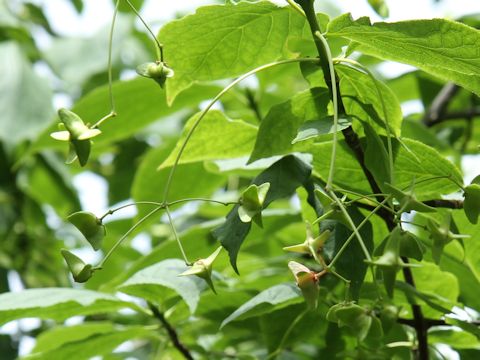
[353, 142]
[253, 104]
[440, 104]
[445, 203]
[428, 322]
[468, 114]
[437, 112]
[419, 323]
[432, 322]
[172, 333]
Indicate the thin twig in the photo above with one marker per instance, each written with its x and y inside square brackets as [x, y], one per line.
[445, 203]
[456, 115]
[253, 104]
[172, 333]
[353, 142]
[440, 104]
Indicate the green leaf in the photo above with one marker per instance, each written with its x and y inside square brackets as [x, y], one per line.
[312, 129]
[380, 7]
[440, 47]
[150, 283]
[216, 137]
[86, 347]
[60, 335]
[90, 226]
[48, 182]
[407, 199]
[348, 264]
[354, 317]
[376, 156]
[76, 59]
[228, 41]
[123, 6]
[284, 177]
[57, 303]
[454, 338]
[26, 98]
[362, 100]
[273, 298]
[438, 289]
[421, 163]
[472, 246]
[34, 14]
[410, 246]
[190, 180]
[284, 120]
[308, 327]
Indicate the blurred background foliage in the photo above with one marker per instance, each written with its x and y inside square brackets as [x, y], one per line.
[40, 70]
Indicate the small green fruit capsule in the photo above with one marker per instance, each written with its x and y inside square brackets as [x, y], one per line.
[356, 318]
[311, 245]
[441, 236]
[73, 123]
[203, 268]
[390, 261]
[81, 272]
[90, 226]
[251, 203]
[158, 71]
[471, 205]
[331, 209]
[407, 200]
[77, 133]
[80, 149]
[307, 281]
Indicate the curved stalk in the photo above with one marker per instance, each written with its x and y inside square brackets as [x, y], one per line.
[177, 238]
[296, 7]
[158, 46]
[117, 244]
[209, 106]
[350, 238]
[384, 109]
[287, 334]
[159, 206]
[109, 62]
[335, 109]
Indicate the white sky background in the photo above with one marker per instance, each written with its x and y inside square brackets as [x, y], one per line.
[98, 13]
